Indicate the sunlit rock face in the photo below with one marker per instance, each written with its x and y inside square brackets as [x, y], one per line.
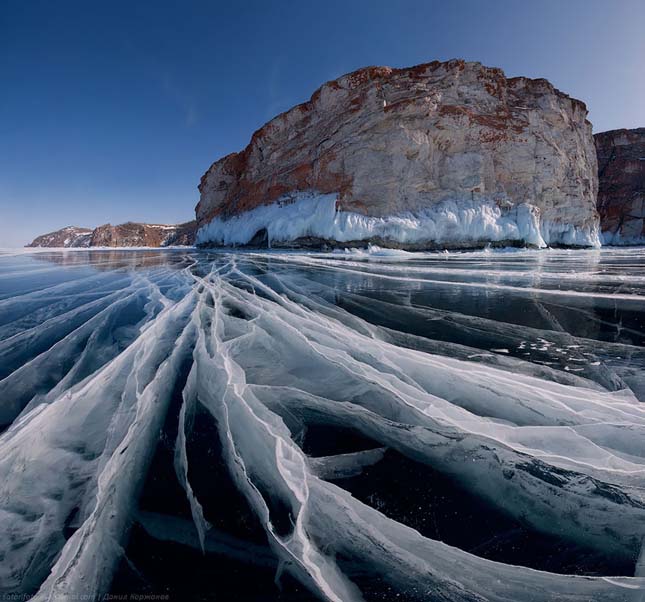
[390, 142]
[71, 236]
[621, 196]
[133, 234]
[130, 234]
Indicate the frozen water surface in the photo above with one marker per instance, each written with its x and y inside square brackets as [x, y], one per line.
[367, 425]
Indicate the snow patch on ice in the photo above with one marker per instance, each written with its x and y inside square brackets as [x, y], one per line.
[373, 251]
[450, 221]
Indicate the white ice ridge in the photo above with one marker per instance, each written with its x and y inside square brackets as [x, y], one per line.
[267, 346]
[448, 222]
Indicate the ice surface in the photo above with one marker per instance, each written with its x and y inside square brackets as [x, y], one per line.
[333, 393]
[456, 221]
[616, 239]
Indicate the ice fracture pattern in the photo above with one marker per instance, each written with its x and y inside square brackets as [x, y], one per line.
[366, 425]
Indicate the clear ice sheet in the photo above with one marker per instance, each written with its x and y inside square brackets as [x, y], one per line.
[367, 425]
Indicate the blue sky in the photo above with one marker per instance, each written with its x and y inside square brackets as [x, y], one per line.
[111, 111]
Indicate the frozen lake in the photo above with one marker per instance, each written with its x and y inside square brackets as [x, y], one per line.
[303, 426]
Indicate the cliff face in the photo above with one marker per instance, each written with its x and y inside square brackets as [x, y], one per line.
[133, 234]
[129, 234]
[621, 194]
[71, 236]
[449, 141]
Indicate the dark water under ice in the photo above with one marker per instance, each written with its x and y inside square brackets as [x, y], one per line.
[369, 425]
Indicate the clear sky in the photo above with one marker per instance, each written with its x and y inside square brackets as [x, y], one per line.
[111, 111]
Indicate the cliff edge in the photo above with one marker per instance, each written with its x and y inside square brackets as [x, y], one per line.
[621, 194]
[130, 234]
[437, 155]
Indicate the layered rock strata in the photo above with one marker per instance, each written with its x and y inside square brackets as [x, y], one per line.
[441, 154]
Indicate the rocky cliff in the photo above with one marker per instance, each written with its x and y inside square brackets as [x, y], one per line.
[442, 154]
[71, 236]
[133, 234]
[130, 234]
[621, 193]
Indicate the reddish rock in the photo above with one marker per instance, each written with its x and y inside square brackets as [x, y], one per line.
[389, 141]
[133, 234]
[621, 193]
[130, 234]
[71, 236]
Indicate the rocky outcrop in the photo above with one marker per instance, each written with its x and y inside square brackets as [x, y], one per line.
[130, 234]
[133, 234]
[71, 236]
[467, 154]
[621, 193]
